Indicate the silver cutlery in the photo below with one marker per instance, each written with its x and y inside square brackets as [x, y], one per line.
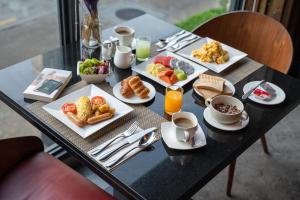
[178, 39]
[125, 134]
[127, 141]
[163, 42]
[247, 94]
[184, 42]
[170, 38]
[144, 142]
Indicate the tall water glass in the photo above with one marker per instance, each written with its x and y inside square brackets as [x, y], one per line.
[143, 46]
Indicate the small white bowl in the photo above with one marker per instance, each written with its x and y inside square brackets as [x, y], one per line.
[91, 78]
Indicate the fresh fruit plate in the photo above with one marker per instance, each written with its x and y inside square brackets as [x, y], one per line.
[233, 54]
[167, 69]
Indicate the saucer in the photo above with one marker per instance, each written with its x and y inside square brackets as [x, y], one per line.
[169, 137]
[226, 127]
[280, 95]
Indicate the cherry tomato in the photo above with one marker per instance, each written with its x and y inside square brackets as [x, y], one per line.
[98, 100]
[69, 107]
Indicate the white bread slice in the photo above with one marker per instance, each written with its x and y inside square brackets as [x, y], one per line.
[212, 83]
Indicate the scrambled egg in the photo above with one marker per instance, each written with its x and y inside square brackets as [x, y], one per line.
[211, 52]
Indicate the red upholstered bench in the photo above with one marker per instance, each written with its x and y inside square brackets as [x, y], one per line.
[28, 173]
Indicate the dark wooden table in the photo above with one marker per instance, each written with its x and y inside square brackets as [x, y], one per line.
[161, 173]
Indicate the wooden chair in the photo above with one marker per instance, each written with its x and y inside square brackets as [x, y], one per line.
[263, 38]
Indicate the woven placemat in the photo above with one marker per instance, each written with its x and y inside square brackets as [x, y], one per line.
[239, 70]
[142, 114]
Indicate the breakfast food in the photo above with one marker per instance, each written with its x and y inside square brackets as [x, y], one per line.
[84, 108]
[210, 86]
[93, 66]
[86, 111]
[126, 90]
[170, 69]
[209, 82]
[227, 109]
[133, 85]
[211, 52]
[138, 87]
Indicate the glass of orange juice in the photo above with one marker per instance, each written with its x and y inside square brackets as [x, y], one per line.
[173, 99]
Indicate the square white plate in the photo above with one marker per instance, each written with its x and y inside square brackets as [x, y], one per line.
[141, 69]
[234, 55]
[54, 108]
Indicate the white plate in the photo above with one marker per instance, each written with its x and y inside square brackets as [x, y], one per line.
[234, 55]
[54, 108]
[135, 99]
[169, 137]
[227, 83]
[141, 69]
[280, 95]
[226, 127]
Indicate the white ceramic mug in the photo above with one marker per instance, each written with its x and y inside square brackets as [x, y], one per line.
[185, 134]
[225, 118]
[123, 58]
[125, 34]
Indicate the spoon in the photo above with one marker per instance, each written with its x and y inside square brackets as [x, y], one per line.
[144, 142]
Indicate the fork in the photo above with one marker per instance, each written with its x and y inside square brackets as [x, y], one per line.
[125, 134]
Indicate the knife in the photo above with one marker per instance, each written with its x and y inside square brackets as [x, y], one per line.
[135, 137]
[179, 38]
[247, 94]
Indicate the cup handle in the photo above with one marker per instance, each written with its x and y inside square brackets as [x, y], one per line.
[208, 101]
[186, 136]
[132, 59]
[182, 135]
[245, 115]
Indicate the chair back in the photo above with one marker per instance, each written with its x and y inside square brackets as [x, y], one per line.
[263, 38]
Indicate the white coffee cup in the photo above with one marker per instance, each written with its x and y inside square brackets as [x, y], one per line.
[184, 131]
[123, 58]
[226, 118]
[125, 34]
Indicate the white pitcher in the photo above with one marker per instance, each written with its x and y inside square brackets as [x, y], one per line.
[123, 58]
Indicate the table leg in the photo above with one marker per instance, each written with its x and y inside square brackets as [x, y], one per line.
[230, 177]
[264, 144]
